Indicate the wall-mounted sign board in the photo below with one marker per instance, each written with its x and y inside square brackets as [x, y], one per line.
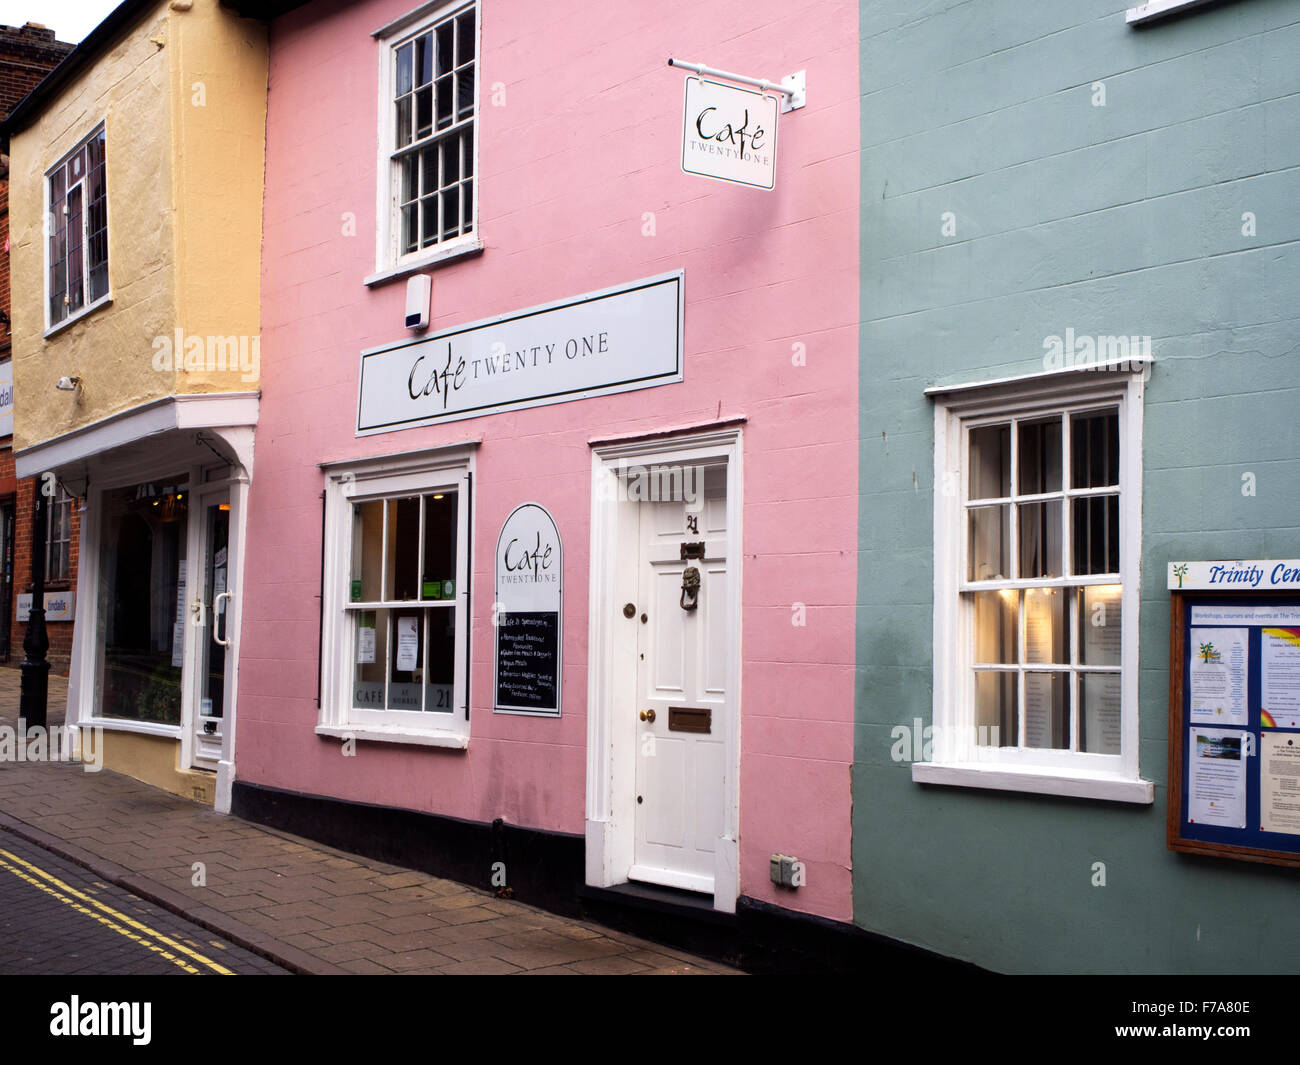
[59, 606]
[615, 340]
[1234, 716]
[528, 614]
[729, 134]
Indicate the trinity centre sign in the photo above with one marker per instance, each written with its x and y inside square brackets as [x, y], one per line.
[615, 340]
[729, 134]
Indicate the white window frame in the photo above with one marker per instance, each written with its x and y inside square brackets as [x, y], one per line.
[62, 544]
[957, 758]
[51, 326]
[347, 483]
[390, 263]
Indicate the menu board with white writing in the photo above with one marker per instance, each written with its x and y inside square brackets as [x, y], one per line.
[527, 614]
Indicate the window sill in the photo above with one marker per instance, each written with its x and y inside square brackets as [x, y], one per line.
[73, 319]
[382, 734]
[122, 724]
[999, 777]
[444, 256]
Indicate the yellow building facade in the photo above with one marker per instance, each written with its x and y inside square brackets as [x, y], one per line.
[136, 224]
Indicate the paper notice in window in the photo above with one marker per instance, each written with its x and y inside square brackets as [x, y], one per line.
[408, 644]
[1279, 782]
[1280, 677]
[1219, 661]
[365, 646]
[1216, 779]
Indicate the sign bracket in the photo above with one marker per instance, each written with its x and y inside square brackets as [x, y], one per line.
[792, 87]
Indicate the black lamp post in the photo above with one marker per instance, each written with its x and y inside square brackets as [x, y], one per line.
[35, 669]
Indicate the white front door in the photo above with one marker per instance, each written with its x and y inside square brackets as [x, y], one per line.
[210, 612]
[682, 704]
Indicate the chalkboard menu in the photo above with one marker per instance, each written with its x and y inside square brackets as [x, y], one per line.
[527, 614]
[528, 660]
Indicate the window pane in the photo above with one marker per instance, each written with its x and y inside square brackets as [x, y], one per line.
[410, 177]
[1047, 711]
[423, 112]
[451, 212]
[989, 546]
[465, 37]
[1099, 722]
[995, 627]
[1094, 449]
[1099, 625]
[403, 70]
[1040, 457]
[446, 60]
[369, 642]
[402, 125]
[1096, 535]
[441, 673]
[367, 544]
[410, 227]
[401, 572]
[406, 662]
[142, 602]
[450, 160]
[996, 721]
[429, 167]
[1046, 634]
[424, 59]
[444, 101]
[429, 225]
[469, 205]
[990, 462]
[76, 292]
[468, 154]
[465, 93]
[440, 527]
[1040, 539]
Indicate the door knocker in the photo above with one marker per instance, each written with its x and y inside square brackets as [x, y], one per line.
[690, 588]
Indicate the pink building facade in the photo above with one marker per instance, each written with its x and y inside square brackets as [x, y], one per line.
[567, 576]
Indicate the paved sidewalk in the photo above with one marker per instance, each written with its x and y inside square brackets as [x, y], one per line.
[306, 907]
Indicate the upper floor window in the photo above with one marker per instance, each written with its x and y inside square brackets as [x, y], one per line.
[77, 225]
[428, 144]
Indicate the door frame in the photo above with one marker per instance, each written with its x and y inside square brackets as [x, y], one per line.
[612, 650]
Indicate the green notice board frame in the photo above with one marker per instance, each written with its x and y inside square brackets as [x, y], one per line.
[1251, 843]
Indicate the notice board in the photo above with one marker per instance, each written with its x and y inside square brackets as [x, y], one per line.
[1234, 710]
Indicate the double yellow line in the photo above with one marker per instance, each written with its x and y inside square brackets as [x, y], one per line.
[179, 954]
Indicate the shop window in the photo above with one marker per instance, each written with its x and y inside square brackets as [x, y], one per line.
[141, 607]
[397, 600]
[77, 246]
[428, 151]
[1036, 544]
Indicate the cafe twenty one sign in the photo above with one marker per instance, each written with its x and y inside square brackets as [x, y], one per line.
[729, 134]
[615, 340]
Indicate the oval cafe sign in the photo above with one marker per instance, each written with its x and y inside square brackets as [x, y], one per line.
[527, 614]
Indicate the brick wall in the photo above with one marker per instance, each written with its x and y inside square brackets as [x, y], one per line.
[27, 54]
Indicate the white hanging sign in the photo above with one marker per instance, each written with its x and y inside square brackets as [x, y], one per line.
[729, 134]
[527, 613]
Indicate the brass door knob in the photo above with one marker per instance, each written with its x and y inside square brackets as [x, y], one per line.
[647, 715]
